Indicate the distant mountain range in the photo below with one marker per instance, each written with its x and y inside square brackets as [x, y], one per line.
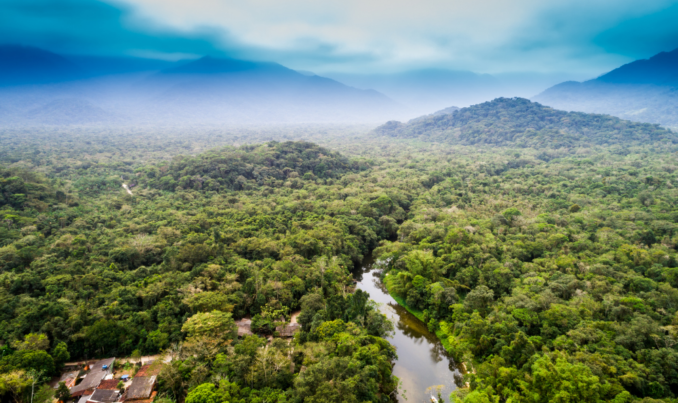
[40, 87]
[517, 122]
[426, 90]
[644, 91]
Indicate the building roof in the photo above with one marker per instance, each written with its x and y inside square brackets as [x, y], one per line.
[150, 369]
[84, 398]
[141, 388]
[104, 396]
[94, 377]
[149, 400]
[288, 330]
[109, 384]
[244, 326]
[68, 378]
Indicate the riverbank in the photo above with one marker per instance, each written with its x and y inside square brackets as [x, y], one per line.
[388, 283]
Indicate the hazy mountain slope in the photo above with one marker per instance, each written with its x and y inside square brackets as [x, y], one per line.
[224, 90]
[205, 91]
[441, 112]
[67, 112]
[661, 69]
[427, 90]
[644, 90]
[519, 122]
[27, 65]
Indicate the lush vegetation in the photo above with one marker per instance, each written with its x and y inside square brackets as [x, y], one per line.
[259, 231]
[554, 281]
[520, 123]
[551, 272]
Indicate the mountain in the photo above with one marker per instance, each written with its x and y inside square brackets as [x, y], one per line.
[517, 122]
[53, 89]
[68, 112]
[441, 112]
[426, 90]
[20, 65]
[217, 90]
[644, 91]
[661, 69]
[94, 66]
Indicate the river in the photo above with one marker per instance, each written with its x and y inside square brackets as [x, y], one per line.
[422, 361]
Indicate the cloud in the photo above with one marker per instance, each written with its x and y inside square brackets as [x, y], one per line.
[95, 27]
[577, 36]
[382, 35]
[643, 36]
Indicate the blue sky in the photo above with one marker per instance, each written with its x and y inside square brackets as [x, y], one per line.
[578, 37]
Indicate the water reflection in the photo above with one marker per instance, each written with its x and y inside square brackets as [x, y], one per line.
[422, 360]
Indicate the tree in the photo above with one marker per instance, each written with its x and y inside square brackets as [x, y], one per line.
[62, 393]
[205, 393]
[479, 299]
[209, 333]
[60, 354]
[136, 356]
[511, 213]
[33, 341]
[37, 360]
[14, 383]
[44, 394]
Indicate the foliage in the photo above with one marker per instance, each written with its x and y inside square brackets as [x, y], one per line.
[542, 267]
[520, 123]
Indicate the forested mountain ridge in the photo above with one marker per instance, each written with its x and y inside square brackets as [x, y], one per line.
[244, 167]
[520, 123]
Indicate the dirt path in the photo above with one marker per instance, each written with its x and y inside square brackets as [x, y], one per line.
[293, 317]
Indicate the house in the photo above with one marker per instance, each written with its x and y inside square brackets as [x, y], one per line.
[244, 327]
[91, 380]
[68, 378]
[104, 396]
[288, 330]
[150, 369]
[109, 384]
[141, 388]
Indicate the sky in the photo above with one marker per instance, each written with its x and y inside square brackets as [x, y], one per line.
[577, 37]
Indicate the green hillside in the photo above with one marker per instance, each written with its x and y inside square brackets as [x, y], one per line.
[238, 168]
[520, 123]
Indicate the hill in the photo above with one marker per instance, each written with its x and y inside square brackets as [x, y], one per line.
[28, 65]
[68, 111]
[441, 112]
[644, 91]
[520, 123]
[272, 164]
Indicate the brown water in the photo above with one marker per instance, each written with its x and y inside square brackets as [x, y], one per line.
[422, 361]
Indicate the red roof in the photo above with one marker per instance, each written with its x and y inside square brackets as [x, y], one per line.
[149, 369]
[108, 384]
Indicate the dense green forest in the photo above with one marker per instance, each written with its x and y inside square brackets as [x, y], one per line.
[550, 272]
[518, 122]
